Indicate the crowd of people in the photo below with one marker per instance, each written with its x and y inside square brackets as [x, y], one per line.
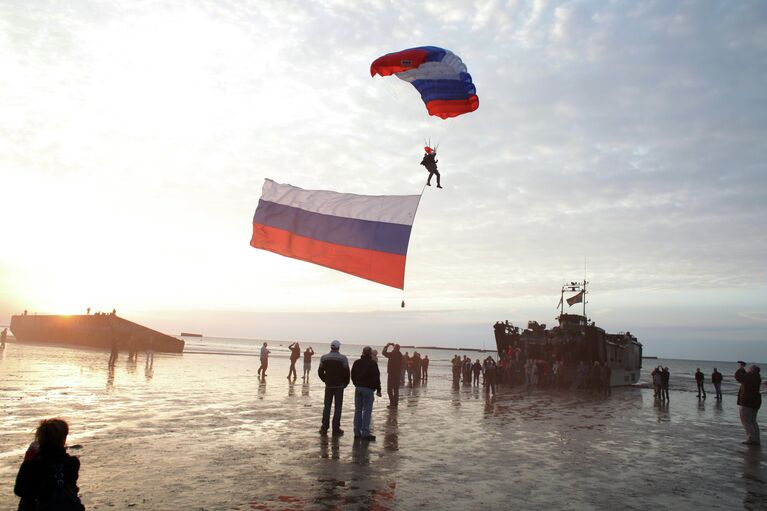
[47, 478]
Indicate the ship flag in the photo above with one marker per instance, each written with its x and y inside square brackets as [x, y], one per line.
[575, 299]
[363, 235]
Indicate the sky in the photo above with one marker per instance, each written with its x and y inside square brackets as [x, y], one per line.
[619, 141]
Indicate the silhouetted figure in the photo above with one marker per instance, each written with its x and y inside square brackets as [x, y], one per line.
[264, 356]
[489, 367]
[425, 368]
[749, 400]
[367, 379]
[665, 376]
[476, 369]
[334, 371]
[308, 354]
[393, 368]
[457, 364]
[430, 162]
[699, 381]
[114, 352]
[88, 311]
[3, 336]
[47, 478]
[716, 379]
[607, 374]
[295, 354]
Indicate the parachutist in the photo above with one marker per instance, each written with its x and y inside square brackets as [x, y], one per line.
[430, 162]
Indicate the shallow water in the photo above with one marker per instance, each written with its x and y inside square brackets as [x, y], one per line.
[199, 431]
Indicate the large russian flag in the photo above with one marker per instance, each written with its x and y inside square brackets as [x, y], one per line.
[363, 235]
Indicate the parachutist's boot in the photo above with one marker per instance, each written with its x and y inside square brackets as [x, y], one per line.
[428, 183]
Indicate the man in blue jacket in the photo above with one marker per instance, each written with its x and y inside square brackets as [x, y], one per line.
[334, 371]
[367, 379]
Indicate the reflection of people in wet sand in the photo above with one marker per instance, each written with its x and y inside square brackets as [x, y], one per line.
[334, 371]
[393, 367]
[47, 478]
[749, 400]
[367, 379]
[264, 360]
[308, 354]
[295, 354]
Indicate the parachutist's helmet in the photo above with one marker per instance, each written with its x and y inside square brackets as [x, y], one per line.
[428, 150]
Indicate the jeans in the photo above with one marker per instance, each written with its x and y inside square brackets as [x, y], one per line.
[718, 388]
[701, 390]
[748, 419]
[392, 388]
[363, 408]
[332, 393]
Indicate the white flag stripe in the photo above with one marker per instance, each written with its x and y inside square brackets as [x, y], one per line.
[394, 209]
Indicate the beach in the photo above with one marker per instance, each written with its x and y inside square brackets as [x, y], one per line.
[200, 431]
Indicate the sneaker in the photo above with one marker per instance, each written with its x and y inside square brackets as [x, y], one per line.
[338, 432]
[369, 437]
[439, 186]
[323, 431]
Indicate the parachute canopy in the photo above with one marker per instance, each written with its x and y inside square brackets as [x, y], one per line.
[439, 76]
[363, 235]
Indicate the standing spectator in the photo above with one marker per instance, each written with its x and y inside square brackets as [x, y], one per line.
[699, 381]
[749, 400]
[295, 354]
[308, 354]
[489, 369]
[665, 376]
[393, 367]
[48, 476]
[3, 335]
[716, 379]
[264, 361]
[334, 371]
[425, 367]
[476, 369]
[457, 368]
[367, 379]
[607, 374]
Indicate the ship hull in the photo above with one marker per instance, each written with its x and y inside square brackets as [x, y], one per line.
[94, 331]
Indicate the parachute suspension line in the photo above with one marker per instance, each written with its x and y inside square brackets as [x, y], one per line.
[420, 196]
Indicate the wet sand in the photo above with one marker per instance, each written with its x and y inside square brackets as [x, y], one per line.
[200, 431]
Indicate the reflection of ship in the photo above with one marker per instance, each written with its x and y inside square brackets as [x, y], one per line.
[575, 340]
[96, 331]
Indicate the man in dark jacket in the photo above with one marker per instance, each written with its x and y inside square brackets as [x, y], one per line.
[367, 378]
[699, 381]
[665, 376]
[430, 162]
[716, 379]
[334, 371]
[749, 400]
[393, 368]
